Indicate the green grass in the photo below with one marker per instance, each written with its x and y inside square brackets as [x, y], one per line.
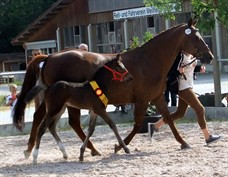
[2, 100]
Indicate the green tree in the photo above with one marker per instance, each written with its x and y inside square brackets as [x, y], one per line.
[201, 8]
[136, 42]
[166, 6]
[15, 15]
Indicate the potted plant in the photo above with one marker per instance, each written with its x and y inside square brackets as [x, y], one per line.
[151, 116]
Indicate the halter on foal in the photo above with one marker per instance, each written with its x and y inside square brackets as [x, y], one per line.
[85, 97]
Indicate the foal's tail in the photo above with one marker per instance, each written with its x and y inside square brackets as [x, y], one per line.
[33, 93]
[31, 77]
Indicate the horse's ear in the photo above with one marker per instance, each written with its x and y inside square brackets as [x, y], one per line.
[192, 21]
[118, 56]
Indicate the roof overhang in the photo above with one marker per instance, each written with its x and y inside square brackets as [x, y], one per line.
[40, 21]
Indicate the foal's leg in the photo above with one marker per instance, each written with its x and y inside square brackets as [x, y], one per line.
[74, 121]
[112, 125]
[139, 114]
[37, 119]
[52, 129]
[91, 129]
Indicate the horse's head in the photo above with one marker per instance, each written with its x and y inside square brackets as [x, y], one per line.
[194, 44]
[119, 72]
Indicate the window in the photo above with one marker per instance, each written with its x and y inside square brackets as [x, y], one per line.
[109, 36]
[76, 30]
[150, 22]
[66, 37]
[77, 36]
[111, 26]
[74, 35]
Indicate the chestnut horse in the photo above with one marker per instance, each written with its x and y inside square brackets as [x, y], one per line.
[148, 64]
[92, 95]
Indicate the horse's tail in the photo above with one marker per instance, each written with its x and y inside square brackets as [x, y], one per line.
[33, 93]
[31, 77]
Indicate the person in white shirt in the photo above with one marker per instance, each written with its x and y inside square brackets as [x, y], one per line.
[187, 97]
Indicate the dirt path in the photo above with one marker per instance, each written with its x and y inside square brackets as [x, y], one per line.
[160, 157]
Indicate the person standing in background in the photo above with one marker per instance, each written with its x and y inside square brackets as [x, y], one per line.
[36, 52]
[83, 46]
[172, 77]
[12, 98]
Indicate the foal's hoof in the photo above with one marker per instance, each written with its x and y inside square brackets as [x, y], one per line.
[185, 146]
[95, 153]
[81, 159]
[117, 148]
[34, 162]
[27, 154]
[127, 150]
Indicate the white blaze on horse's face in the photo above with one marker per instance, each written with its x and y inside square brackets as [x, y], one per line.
[199, 36]
[121, 64]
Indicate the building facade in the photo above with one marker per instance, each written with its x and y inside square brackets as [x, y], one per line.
[105, 25]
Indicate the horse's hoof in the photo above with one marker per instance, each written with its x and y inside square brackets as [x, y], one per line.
[117, 148]
[185, 146]
[95, 153]
[27, 154]
[81, 159]
[65, 156]
[34, 162]
[127, 150]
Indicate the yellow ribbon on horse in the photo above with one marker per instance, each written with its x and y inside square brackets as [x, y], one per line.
[99, 92]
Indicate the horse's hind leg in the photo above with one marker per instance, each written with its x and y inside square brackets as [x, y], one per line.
[37, 119]
[40, 132]
[163, 109]
[112, 125]
[74, 121]
[91, 129]
[52, 129]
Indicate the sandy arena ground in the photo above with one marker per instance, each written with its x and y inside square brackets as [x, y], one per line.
[160, 157]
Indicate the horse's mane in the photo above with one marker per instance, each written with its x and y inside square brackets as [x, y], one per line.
[164, 32]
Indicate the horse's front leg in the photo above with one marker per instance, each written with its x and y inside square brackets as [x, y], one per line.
[163, 109]
[37, 119]
[41, 130]
[112, 125]
[139, 114]
[75, 123]
[91, 129]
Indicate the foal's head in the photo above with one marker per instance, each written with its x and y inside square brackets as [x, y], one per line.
[194, 44]
[118, 70]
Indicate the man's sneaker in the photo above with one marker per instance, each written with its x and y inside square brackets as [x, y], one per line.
[213, 138]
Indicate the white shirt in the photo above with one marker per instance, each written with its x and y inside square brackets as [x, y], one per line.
[8, 98]
[188, 72]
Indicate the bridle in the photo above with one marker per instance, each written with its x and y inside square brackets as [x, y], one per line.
[117, 76]
[198, 53]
